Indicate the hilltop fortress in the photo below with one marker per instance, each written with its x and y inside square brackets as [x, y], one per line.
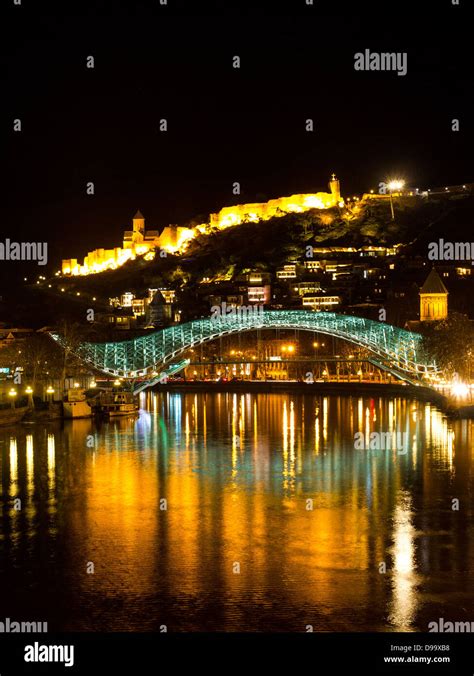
[136, 242]
[174, 238]
[262, 211]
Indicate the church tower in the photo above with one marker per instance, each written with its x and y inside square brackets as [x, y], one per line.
[335, 188]
[433, 299]
[139, 223]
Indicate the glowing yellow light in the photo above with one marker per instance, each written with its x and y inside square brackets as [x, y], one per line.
[12, 393]
[460, 390]
[29, 390]
[396, 185]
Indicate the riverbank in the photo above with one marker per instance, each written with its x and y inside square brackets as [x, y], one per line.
[355, 389]
[461, 411]
[330, 388]
[283, 387]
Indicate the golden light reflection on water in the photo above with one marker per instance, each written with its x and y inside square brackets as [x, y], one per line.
[404, 602]
[29, 461]
[13, 466]
[51, 461]
[167, 504]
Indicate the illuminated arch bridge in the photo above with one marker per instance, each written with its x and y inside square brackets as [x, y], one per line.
[392, 349]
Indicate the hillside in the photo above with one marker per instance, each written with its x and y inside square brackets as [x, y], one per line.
[264, 246]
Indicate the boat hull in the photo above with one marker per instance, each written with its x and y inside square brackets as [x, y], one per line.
[116, 403]
[11, 416]
[77, 409]
[113, 410]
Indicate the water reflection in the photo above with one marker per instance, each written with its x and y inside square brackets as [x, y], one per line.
[404, 602]
[13, 466]
[165, 504]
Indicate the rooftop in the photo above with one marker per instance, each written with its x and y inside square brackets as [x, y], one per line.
[433, 284]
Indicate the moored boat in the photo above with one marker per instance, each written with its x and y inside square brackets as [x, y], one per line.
[10, 416]
[75, 404]
[116, 403]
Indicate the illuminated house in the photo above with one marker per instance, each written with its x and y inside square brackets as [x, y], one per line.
[175, 239]
[305, 288]
[288, 271]
[320, 302]
[259, 294]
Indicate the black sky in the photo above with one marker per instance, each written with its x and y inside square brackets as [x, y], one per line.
[224, 124]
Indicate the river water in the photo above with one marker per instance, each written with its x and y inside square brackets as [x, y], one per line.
[226, 512]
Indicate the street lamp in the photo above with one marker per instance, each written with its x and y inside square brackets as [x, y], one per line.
[29, 392]
[12, 395]
[394, 185]
[50, 392]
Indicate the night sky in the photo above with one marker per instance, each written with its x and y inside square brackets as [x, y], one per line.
[224, 124]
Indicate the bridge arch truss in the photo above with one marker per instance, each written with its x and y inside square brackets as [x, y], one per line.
[394, 349]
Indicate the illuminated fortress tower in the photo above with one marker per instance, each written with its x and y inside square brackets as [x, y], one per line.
[335, 188]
